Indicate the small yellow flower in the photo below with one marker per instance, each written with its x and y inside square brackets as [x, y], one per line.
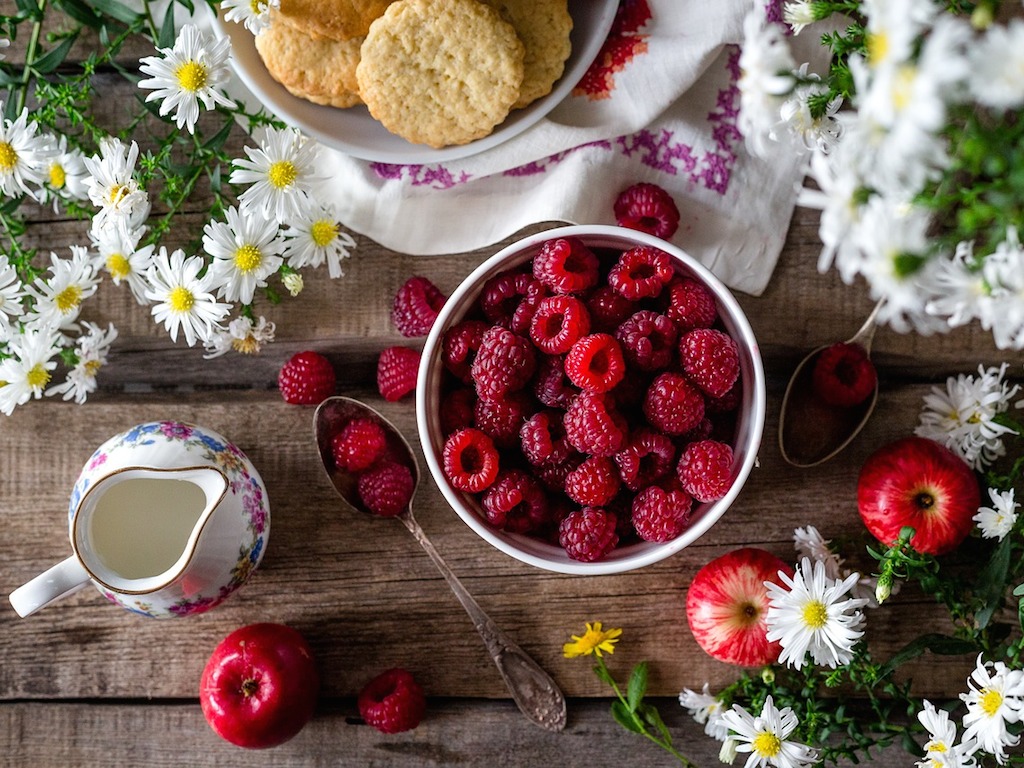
[593, 642]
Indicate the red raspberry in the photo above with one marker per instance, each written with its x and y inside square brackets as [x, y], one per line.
[647, 208]
[593, 483]
[595, 363]
[641, 272]
[608, 308]
[647, 458]
[705, 470]
[672, 404]
[552, 476]
[551, 386]
[503, 417]
[392, 702]
[457, 410]
[397, 368]
[503, 364]
[588, 534]
[510, 300]
[470, 460]
[566, 265]
[542, 438]
[844, 375]
[592, 425]
[515, 503]
[459, 347]
[648, 340]
[727, 403]
[690, 304]
[306, 379]
[660, 515]
[360, 443]
[711, 360]
[386, 488]
[558, 323]
[416, 306]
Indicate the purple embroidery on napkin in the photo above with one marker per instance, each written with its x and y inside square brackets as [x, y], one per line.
[434, 176]
[773, 11]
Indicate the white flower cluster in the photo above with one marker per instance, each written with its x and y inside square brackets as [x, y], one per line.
[870, 163]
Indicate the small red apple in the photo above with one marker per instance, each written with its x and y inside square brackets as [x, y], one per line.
[919, 483]
[259, 686]
[727, 603]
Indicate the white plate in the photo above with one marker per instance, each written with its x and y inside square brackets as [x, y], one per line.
[356, 133]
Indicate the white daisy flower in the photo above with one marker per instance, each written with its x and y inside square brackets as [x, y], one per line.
[962, 416]
[254, 14]
[942, 751]
[766, 77]
[316, 237]
[809, 615]
[706, 710]
[1002, 311]
[281, 172]
[809, 543]
[11, 294]
[246, 250]
[91, 350]
[765, 737]
[24, 157]
[26, 374]
[66, 172]
[118, 253]
[893, 27]
[800, 14]
[957, 292]
[838, 197]
[59, 297]
[112, 189]
[4, 43]
[242, 335]
[183, 299]
[997, 64]
[998, 520]
[191, 72]
[994, 702]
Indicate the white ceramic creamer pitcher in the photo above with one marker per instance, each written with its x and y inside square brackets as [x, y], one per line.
[166, 519]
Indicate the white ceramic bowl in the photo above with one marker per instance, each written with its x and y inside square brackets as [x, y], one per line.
[749, 417]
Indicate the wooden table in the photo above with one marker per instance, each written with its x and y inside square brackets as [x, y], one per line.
[84, 683]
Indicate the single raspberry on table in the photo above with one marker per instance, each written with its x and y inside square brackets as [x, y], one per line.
[711, 360]
[641, 272]
[504, 363]
[588, 534]
[542, 438]
[705, 470]
[594, 426]
[593, 483]
[502, 417]
[649, 457]
[690, 304]
[647, 208]
[660, 515]
[470, 460]
[844, 375]
[459, 346]
[551, 386]
[416, 306]
[457, 410]
[566, 265]
[306, 379]
[648, 340]
[397, 368]
[358, 445]
[515, 502]
[392, 702]
[595, 363]
[386, 488]
[510, 300]
[672, 404]
[558, 323]
[608, 308]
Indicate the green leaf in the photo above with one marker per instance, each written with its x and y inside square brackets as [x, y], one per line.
[80, 12]
[625, 718]
[942, 645]
[217, 141]
[637, 686]
[166, 39]
[116, 10]
[52, 59]
[992, 583]
[603, 674]
[650, 715]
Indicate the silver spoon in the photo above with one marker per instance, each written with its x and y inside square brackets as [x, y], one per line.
[811, 431]
[532, 689]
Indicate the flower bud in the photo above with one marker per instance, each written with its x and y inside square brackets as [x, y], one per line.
[293, 283]
[768, 675]
[884, 588]
[727, 754]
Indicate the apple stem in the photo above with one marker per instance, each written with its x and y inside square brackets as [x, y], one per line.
[249, 687]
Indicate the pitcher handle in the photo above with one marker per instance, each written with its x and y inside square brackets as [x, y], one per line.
[63, 579]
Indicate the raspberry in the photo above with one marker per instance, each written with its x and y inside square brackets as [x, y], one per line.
[566, 265]
[504, 363]
[588, 534]
[647, 458]
[844, 375]
[648, 340]
[690, 304]
[552, 476]
[592, 425]
[608, 308]
[647, 208]
[515, 502]
[629, 394]
[306, 379]
[470, 460]
[660, 515]
[416, 306]
[392, 702]
[551, 386]
[641, 272]
[711, 360]
[360, 443]
[558, 323]
[672, 404]
[503, 417]
[595, 363]
[457, 410]
[593, 483]
[510, 300]
[459, 347]
[386, 488]
[705, 470]
[542, 438]
[397, 368]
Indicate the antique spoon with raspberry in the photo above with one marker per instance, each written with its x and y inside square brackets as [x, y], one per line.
[829, 399]
[374, 469]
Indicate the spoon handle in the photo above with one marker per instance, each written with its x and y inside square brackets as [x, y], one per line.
[532, 689]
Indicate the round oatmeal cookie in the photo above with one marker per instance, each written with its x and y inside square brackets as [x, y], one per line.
[333, 19]
[544, 27]
[440, 73]
[319, 70]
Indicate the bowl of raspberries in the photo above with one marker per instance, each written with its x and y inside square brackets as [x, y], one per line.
[590, 399]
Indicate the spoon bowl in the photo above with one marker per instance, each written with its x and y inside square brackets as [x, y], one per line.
[532, 689]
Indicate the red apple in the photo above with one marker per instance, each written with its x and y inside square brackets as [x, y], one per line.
[727, 603]
[259, 686]
[919, 483]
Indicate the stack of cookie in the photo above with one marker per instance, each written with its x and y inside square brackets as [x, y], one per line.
[435, 72]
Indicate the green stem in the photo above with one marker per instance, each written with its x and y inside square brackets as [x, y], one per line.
[30, 56]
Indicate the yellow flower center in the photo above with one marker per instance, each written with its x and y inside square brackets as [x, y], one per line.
[254, 5]
[8, 157]
[181, 299]
[247, 258]
[191, 76]
[118, 266]
[936, 746]
[117, 193]
[92, 367]
[57, 176]
[282, 174]
[903, 87]
[38, 376]
[68, 299]
[815, 614]
[323, 232]
[878, 47]
[247, 346]
[990, 701]
[766, 744]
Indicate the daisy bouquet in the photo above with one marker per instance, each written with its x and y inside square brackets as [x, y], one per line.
[127, 187]
[912, 143]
